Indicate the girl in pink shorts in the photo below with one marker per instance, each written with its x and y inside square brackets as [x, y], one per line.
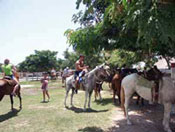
[44, 86]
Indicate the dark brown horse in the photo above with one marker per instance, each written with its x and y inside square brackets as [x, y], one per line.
[117, 79]
[6, 88]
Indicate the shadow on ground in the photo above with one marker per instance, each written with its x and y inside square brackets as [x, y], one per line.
[80, 110]
[91, 129]
[9, 115]
[147, 118]
[104, 101]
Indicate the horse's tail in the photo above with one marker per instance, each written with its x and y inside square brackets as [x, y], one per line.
[122, 95]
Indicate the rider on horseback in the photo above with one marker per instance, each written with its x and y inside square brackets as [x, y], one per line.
[9, 71]
[80, 70]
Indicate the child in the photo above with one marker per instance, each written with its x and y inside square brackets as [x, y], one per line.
[44, 86]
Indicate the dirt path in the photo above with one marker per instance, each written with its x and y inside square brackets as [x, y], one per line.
[146, 118]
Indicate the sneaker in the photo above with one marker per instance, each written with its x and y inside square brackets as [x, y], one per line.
[80, 80]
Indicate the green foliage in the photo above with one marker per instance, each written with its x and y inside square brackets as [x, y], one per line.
[143, 26]
[121, 57]
[39, 61]
[70, 59]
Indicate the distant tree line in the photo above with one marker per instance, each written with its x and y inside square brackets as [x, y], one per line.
[45, 60]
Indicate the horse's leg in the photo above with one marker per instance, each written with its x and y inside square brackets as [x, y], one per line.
[1, 96]
[95, 93]
[89, 103]
[127, 99]
[114, 92]
[86, 96]
[118, 93]
[138, 99]
[100, 95]
[127, 94]
[67, 92]
[11, 99]
[20, 100]
[166, 119]
[71, 102]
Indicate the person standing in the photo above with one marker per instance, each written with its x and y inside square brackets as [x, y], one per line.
[44, 87]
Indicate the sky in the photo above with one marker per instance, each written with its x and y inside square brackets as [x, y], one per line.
[28, 25]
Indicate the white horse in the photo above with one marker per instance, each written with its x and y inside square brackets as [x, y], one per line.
[100, 73]
[166, 94]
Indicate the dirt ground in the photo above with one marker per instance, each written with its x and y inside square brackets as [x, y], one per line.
[147, 118]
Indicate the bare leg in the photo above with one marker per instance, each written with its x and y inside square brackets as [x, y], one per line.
[44, 94]
[16, 86]
[47, 93]
[166, 119]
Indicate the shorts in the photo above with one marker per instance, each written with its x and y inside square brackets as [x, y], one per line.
[11, 77]
[76, 74]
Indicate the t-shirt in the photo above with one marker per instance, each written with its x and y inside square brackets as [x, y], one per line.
[7, 69]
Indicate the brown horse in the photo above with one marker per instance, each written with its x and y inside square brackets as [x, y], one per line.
[6, 88]
[116, 86]
[97, 90]
[117, 79]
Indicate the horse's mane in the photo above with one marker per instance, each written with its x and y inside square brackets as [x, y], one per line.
[91, 72]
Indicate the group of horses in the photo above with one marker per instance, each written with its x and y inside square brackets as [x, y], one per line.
[152, 85]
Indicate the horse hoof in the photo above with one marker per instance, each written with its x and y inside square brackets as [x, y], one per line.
[72, 106]
[89, 108]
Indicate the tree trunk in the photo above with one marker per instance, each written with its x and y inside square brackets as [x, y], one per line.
[168, 61]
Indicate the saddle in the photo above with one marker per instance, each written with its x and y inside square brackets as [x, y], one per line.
[9, 80]
[154, 87]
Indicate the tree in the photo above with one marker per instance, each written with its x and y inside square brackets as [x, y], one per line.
[145, 27]
[39, 61]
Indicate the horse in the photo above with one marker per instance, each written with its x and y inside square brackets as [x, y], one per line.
[6, 88]
[164, 95]
[117, 79]
[100, 73]
[97, 90]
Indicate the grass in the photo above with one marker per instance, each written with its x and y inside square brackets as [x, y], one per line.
[52, 116]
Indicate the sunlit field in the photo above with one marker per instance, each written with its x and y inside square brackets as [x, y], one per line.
[53, 116]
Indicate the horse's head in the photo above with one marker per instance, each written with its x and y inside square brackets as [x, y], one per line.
[154, 74]
[102, 73]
